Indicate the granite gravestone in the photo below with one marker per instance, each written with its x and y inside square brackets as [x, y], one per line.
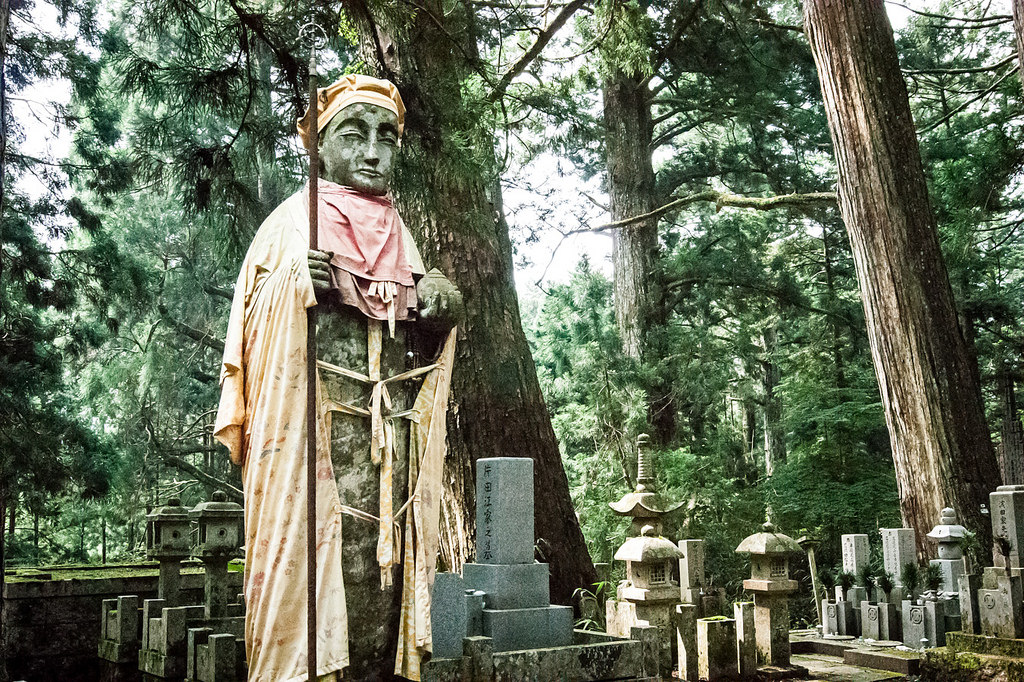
[517, 611]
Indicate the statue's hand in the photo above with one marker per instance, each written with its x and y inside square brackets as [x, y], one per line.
[440, 303]
[320, 271]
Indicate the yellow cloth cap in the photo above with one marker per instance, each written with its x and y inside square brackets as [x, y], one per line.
[353, 89]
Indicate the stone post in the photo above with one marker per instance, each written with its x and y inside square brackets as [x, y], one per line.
[716, 649]
[686, 641]
[746, 639]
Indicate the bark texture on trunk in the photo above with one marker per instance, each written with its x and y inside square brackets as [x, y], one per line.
[1018, 30]
[774, 432]
[930, 391]
[449, 194]
[1011, 434]
[628, 134]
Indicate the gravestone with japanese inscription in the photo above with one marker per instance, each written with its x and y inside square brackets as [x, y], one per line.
[1007, 503]
[517, 611]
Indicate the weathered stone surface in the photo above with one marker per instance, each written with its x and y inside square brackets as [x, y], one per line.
[838, 617]
[746, 638]
[855, 595]
[924, 625]
[686, 641]
[53, 624]
[1000, 606]
[509, 586]
[474, 613]
[504, 510]
[342, 341]
[970, 618]
[1007, 503]
[716, 649]
[771, 624]
[518, 629]
[448, 618]
[691, 570]
[879, 621]
[913, 622]
[855, 552]
[898, 549]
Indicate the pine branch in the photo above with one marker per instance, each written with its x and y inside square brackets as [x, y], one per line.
[205, 338]
[721, 200]
[222, 292]
[534, 50]
[977, 69]
[178, 463]
[996, 18]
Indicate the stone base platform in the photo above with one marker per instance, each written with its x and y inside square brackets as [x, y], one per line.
[592, 657]
[962, 642]
[775, 672]
[859, 653]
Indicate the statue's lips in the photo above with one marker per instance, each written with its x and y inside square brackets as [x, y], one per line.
[370, 173]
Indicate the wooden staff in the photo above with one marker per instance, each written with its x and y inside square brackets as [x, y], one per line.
[311, 372]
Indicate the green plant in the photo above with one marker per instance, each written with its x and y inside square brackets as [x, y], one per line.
[827, 578]
[866, 577]
[933, 577]
[910, 576]
[886, 583]
[845, 581]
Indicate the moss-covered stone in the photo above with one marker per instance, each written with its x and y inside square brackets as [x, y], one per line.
[945, 665]
[961, 642]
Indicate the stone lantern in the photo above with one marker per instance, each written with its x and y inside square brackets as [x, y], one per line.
[770, 553]
[649, 594]
[169, 541]
[220, 538]
[949, 535]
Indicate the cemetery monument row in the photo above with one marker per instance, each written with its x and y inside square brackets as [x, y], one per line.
[387, 325]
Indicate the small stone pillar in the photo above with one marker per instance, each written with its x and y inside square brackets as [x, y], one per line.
[770, 582]
[746, 638]
[716, 649]
[686, 641]
[220, 539]
[169, 541]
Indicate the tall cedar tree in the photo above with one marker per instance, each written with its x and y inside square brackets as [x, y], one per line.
[450, 197]
[930, 388]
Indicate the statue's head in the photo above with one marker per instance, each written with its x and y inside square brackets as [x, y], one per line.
[360, 122]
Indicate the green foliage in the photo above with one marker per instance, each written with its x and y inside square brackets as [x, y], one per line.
[886, 582]
[933, 577]
[910, 576]
[845, 580]
[867, 577]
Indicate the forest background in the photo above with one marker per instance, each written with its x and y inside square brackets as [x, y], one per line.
[728, 326]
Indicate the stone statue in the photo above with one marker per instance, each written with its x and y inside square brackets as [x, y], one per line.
[385, 354]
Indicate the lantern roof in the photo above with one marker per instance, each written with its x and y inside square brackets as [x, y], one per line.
[218, 507]
[647, 547]
[769, 543]
[948, 529]
[172, 511]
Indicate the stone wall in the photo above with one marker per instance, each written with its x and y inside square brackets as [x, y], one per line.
[52, 616]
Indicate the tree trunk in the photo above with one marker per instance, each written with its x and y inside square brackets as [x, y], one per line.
[628, 135]
[629, 132]
[449, 194]
[774, 433]
[4, 677]
[930, 391]
[1018, 29]
[1011, 435]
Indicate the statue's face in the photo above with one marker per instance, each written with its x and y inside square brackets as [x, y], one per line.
[358, 148]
